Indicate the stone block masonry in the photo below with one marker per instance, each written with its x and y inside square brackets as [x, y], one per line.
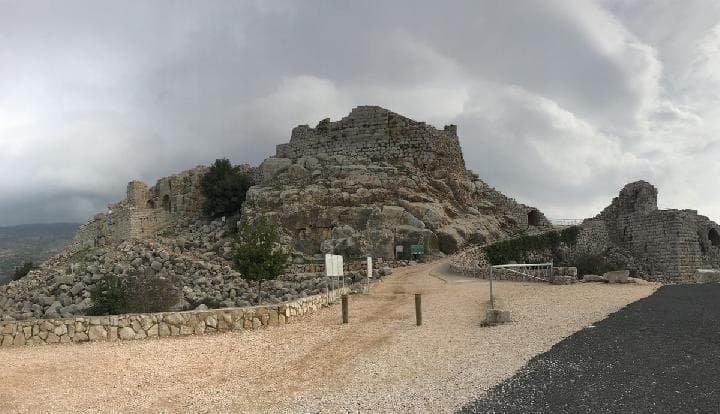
[380, 135]
[144, 211]
[158, 325]
[666, 244]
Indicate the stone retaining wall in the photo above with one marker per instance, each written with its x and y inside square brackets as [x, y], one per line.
[156, 325]
[348, 266]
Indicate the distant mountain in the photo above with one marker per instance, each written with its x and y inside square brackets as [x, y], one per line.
[31, 242]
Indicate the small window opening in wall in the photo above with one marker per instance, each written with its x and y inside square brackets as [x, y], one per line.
[714, 237]
[626, 234]
[166, 203]
[533, 218]
[150, 204]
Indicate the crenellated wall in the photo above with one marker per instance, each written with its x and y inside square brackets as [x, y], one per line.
[380, 135]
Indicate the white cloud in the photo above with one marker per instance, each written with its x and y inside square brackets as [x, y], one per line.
[558, 103]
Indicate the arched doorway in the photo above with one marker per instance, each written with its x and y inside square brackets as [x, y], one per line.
[166, 203]
[533, 217]
[150, 204]
[714, 237]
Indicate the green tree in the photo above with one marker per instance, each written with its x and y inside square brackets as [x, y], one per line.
[224, 188]
[257, 256]
[22, 270]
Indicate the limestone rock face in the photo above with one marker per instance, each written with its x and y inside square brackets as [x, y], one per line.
[375, 180]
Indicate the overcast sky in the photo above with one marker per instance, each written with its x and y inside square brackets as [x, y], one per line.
[558, 103]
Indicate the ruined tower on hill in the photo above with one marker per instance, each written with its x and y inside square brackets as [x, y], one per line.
[363, 185]
[377, 134]
[376, 180]
[144, 211]
[671, 244]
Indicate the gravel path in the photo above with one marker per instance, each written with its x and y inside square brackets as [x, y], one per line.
[380, 362]
[658, 355]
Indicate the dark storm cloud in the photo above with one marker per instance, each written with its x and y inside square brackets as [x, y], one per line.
[558, 103]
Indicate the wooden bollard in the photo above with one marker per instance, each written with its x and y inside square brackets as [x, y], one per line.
[418, 309]
[345, 308]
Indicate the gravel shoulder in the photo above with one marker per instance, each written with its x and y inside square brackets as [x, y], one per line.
[658, 355]
[380, 362]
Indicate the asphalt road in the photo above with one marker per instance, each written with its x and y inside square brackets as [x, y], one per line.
[660, 354]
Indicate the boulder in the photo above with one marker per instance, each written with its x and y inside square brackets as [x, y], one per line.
[126, 333]
[272, 166]
[617, 276]
[496, 317]
[593, 278]
[97, 333]
[707, 276]
[449, 240]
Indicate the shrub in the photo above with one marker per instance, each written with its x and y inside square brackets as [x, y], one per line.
[592, 264]
[115, 295]
[257, 256]
[520, 249]
[22, 270]
[224, 188]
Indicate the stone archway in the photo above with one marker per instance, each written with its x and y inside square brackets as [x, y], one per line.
[166, 204]
[150, 204]
[533, 217]
[714, 237]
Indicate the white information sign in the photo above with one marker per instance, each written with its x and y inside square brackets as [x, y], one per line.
[369, 268]
[333, 265]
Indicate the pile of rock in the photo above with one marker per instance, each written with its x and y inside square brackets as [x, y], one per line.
[470, 262]
[197, 258]
[616, 276]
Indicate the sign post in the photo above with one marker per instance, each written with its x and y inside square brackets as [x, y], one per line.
[417, 250]
[369, 273]
[334, 270]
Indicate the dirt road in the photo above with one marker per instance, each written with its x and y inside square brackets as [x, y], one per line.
[380, 362]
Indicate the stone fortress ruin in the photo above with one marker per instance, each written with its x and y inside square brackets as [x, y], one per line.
[374, 133]
[373, 184]
[672, 244]
[363, 185]
[144, 211]
[375, 180]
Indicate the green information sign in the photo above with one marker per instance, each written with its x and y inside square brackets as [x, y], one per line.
[417, 249]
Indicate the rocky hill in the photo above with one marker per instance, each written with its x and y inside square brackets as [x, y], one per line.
[375, 180]
[359, 186]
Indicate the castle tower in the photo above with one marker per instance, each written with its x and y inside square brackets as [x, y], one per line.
[137, 194]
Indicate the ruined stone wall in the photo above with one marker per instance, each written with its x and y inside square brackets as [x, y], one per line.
[179, 193]
[157, 325]
[119, 225]
[669, 243]
[144, 211]
[380, 135]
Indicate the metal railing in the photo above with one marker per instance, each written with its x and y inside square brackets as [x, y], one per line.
[566, 222]
[538, 271]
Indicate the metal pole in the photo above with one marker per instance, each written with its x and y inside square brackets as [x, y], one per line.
[418, 309]
[344, 308]
[492, 298]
